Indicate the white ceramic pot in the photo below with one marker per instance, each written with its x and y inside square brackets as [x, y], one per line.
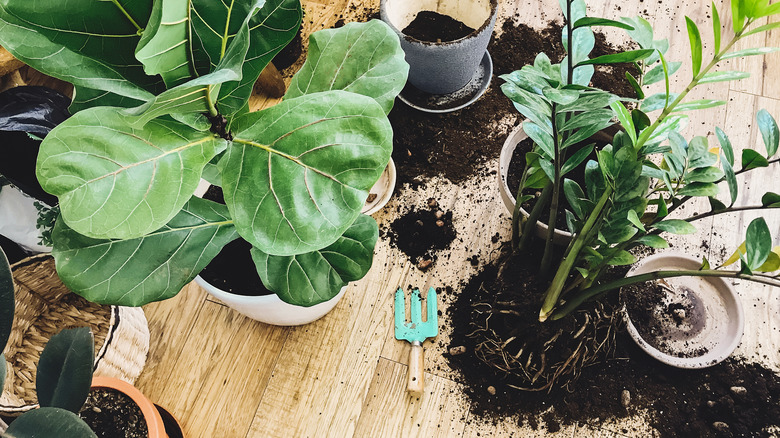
[517, 135]
[383, 189]
[716, 322]
[270, 309]
[445, 67]
[18, 218]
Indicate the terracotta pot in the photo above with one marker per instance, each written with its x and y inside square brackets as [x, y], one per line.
[154, 420]
[442, 68]
[270, 309]
[709, 332]
[561, 237]
[383, 189]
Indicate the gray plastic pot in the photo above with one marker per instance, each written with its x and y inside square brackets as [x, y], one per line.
[711, 330]
[442, 68]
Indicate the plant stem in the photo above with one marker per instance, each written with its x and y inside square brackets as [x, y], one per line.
[569, 32]
[546, 264]
[127, 14]
[212, 109]
[655, 275]
[533, 217]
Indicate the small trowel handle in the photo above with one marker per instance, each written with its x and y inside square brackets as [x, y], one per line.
[416, 365]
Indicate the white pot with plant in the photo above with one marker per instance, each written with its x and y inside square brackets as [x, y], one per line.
[152, 115]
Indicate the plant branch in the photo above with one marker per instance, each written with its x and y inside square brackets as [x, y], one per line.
[212, 109]
[536, 212]
[127, 14]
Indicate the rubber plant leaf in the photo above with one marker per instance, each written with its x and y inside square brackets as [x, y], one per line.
[90, 44]
[364, 58]
[108, 271]
[32, 109]
[49, 422]
[116, 181]
[297, 174]
[7, 302]
[64, 372]
[315, 277]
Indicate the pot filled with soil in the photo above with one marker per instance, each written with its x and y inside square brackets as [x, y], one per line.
[115, 408]
[686, 322]
[381, 191]
[444, 42]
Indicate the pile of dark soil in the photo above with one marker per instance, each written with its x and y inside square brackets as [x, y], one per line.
[733, 398]
[434, 27]
[421, 233]
[112, 414]
[454, 145]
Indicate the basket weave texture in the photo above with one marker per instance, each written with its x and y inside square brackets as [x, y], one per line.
[44, 307]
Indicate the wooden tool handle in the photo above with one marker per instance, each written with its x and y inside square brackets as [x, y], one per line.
[416, 365]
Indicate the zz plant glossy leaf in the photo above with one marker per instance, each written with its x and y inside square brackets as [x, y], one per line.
[364, 58]
[315, 277]
[65, 369]
[115, 181]
[154, 267]
[297, 174]
[49, 422]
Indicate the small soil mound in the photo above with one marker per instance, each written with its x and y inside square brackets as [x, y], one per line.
[434, 27]
[420, 234]
[112, 414]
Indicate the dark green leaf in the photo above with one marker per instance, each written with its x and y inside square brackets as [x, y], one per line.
[576, 159]
[49, 422]
[594, 180]
[575, 196]
[165, 44]
[572, 224]
[150, 268]
[705, 175]
[737, 15]
[625, 119]
[531, 106]
[770, 200]
[716, 27]
[699, 154]
[653, 241]
[758, 243]
[364, 58]
[716, 205]
[297, 174]
[699, 189]
[640, 119]
[560, 96]
[315, 277]
[635, 85]
[627, 56]
[540, 138]
[593, 21]
[675, 226]
[769, 133]
[621, 258]
[662, 211]
[84, 98]
[65, 369]
[731, 180]
[633, 217]
[7, 301]
[725, 145]
[705, 264]
[587, 118]
[752, 159]
[696, 47]
[116, 181]
[589, 101]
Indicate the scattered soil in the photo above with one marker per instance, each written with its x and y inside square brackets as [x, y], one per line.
[455, 145]
[434, 27]
[420, 234]
[233, 269]
[733, 398]
[113, 414]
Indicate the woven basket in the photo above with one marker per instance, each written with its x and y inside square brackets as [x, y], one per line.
[44, 307]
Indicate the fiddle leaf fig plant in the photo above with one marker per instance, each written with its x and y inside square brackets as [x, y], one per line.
[648, 170]
[169, 106]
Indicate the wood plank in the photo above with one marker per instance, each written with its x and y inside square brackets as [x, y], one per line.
[389, 410]
[216, 382]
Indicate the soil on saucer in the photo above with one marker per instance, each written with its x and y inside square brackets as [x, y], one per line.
[422, 233]
[434, 27]
[113, 414]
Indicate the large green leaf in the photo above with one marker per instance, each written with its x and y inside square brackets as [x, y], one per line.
[88, 43]
[675, 226]
[752, 159]
[694, 38]
[165, 47]
[771, 200]
[769, 132]
[616, 58]
[65, 369]
[115, 181]
[315, 277]
[297, 174]
[758, 243]
[151, 268]
[49, 422]
[84, 98]
[722, 76]
[7, 302]
[364, 58]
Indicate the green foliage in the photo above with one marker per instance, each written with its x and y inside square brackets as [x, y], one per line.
[7, 302]
[65, 369]
[162, 89]
[49, 422]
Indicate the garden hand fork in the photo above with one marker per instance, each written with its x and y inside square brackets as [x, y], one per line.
[416, 332]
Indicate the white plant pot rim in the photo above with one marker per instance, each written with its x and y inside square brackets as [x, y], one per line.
[735, 324]
[517, 135]
[383, 188]
[270, 309]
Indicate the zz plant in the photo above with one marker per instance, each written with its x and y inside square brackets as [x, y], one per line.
[63, 377]
[161, 100]
[649, 170]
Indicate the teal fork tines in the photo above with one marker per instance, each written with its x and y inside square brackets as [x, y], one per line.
[417, 329]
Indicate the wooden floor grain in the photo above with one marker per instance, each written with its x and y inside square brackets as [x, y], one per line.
[224, 375]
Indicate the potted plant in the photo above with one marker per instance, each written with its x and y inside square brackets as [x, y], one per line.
[168, 105]
[445, 44]
[647, 172]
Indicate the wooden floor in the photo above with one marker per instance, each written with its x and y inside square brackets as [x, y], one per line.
[225, 375]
